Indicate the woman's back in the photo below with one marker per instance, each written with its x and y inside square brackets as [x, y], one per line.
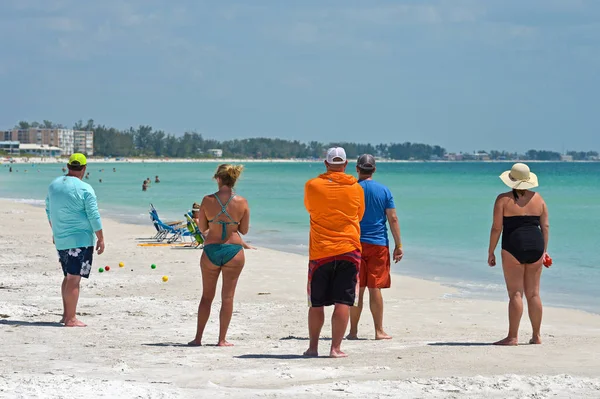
[224, 212]
[527, 203]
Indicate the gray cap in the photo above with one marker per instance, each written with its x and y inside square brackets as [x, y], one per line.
[366, 162]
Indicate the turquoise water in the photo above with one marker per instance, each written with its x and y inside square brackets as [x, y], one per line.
[445, 212]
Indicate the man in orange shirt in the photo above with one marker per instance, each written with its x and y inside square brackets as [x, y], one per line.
[336, 204]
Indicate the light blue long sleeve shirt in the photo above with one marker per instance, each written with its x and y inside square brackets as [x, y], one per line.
[72, 210]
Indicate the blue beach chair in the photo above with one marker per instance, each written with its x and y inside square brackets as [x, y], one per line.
[170, 231]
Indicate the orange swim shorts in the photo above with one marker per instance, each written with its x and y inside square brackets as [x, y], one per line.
[375, 266]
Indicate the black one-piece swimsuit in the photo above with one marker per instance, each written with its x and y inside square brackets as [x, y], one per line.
[523, 238]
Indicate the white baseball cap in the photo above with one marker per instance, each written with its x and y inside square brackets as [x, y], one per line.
[336, 152]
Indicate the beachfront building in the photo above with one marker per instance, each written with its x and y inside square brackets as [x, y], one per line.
[83, 141]
[215, 152]
[453, 157]
[566, 158]
[482, 156]
[9, 147]
[40, 150]
[67, 140]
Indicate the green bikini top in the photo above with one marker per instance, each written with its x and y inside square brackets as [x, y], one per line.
[223, 211]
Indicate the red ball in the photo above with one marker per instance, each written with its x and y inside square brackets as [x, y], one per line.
[107, 268]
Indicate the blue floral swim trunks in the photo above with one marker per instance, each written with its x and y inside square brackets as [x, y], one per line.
[76, 261]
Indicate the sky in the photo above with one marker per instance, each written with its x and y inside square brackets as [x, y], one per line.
[464, 74]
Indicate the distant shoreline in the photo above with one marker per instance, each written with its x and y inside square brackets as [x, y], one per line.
[39, 160]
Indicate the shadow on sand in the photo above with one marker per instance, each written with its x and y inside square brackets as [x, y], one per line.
[296, 338]
[172, 344]
[460, 344]
[30, 323]
[177, 345]
[279, 357]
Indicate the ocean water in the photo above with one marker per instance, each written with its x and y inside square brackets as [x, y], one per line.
[445, 212]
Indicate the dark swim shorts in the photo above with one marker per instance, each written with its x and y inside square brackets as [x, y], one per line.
[76, 261]
[334, 280]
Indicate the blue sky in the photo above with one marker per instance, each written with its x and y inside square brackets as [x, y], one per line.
[464, 74]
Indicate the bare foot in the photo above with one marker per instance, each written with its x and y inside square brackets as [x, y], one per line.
[224, 343]
[507, 342]
[311, 353]
[382, 335]
[536, 340]
[195, 342]
[75, 323]
[352, 337]
[337, 353]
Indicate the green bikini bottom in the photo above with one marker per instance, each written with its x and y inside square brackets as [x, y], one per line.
[220, 254]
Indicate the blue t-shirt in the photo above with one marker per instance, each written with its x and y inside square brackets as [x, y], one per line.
[373, 227]
[73, 211]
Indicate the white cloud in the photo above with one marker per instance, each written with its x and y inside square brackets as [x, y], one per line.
[62, 24]
[298, 82]
[237, 11]
[128, 16]
[303, 33]
[522, 31]
[393, 14]
[411, 14]
[38, 5]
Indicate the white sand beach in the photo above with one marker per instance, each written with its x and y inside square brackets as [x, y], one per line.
[138, 327]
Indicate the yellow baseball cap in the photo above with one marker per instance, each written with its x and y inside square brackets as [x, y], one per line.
[77, 159]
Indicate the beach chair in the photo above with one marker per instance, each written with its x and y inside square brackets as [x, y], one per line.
[171, 233]
[161, 232]
[195, 232]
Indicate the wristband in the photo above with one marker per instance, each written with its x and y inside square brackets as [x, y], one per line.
[398, 246]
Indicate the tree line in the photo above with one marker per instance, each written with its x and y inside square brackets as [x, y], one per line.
[144, 141]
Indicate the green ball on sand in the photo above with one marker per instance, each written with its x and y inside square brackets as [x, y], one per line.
[153, 266]
[101, 270]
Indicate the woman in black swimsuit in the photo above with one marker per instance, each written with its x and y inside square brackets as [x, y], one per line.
[521, 217]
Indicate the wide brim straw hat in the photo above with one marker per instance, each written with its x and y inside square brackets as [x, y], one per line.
[519, 177]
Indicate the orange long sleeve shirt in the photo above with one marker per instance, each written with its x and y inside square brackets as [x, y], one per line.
[336, 204]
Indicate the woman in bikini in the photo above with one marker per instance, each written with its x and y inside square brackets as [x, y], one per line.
[521, 217]
[222, 217]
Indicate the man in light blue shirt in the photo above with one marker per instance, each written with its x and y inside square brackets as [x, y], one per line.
[73, 214]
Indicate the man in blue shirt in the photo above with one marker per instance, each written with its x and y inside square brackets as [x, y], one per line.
[73, 214]
[375, 264]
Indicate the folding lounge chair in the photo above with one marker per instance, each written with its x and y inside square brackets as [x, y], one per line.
[161, 233]
[194, 231]
[171, 233]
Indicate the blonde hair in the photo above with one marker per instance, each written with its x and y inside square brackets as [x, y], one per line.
[228, 173]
